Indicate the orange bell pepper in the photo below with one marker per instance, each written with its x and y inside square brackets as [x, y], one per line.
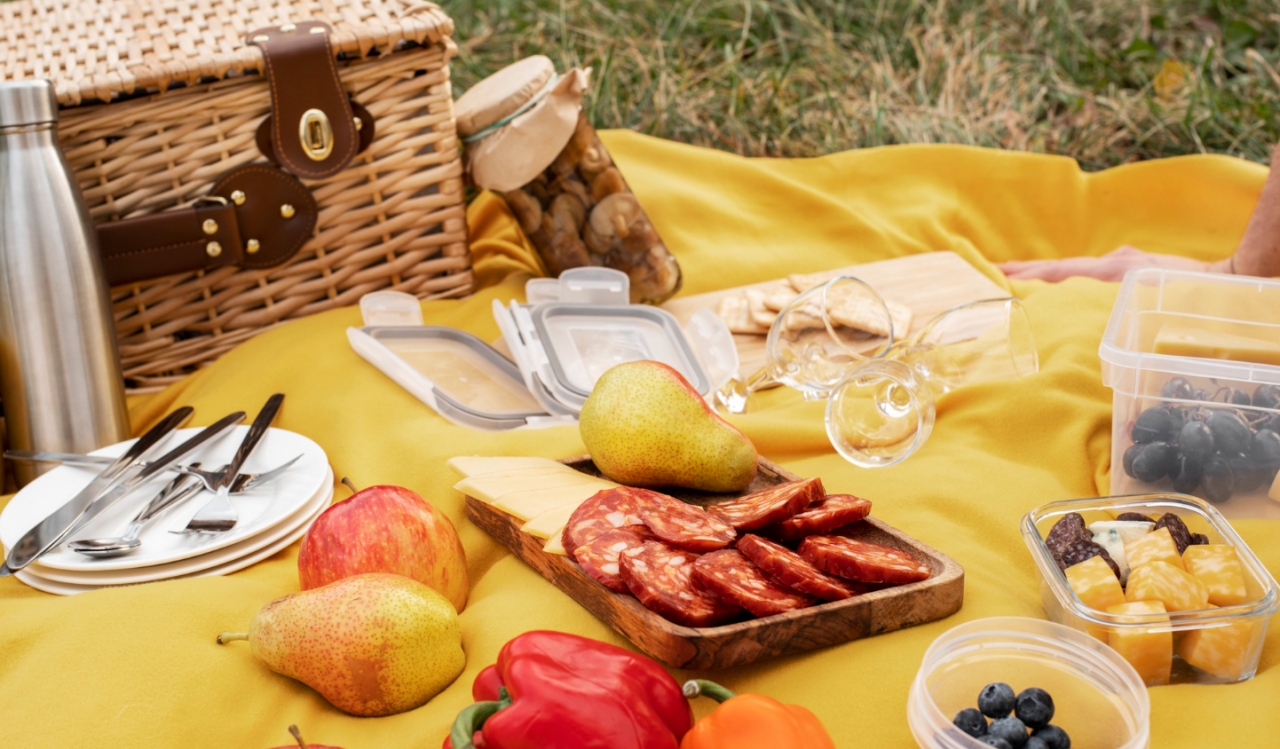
[752, 721]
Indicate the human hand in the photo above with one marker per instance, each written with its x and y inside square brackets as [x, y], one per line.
[1110, 267]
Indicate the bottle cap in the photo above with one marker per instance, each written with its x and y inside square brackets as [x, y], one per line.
[28, 102]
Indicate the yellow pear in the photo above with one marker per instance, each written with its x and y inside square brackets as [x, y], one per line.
[373, 644]
[645, 425]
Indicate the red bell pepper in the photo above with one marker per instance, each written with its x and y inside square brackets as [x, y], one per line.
[553, 690]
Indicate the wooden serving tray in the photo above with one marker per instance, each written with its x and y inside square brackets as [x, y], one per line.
[755, 639]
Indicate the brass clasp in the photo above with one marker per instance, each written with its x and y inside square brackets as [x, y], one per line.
[316, 134]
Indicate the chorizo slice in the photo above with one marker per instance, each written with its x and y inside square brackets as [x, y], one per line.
[731, 577]
[769, 506]
[684, 525]
[824, 516]
[661, 577]
[604, 511]
[788, 568]
[599, 556]
[861, 561]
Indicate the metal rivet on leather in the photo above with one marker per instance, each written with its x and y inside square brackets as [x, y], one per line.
[286, 211]
[260, 38]
[287, 28]
[317, 29]
[213, 249]
[316, 133]
[359, 124]
[237, 197]
[209, 227]
[252, 246]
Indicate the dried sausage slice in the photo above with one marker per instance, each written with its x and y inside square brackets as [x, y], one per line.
[599, 556]
[731, 577]
[788, 568]
[603, 511]
[769, 506]
[862, 561]
[824, 516]
[684, 525]
[661, 576]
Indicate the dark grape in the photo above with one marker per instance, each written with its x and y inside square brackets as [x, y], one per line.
[1156, 424]
[1219, 480]
[1231, 435]
[1200, 394]
[1129, 455]
[1195, 440]
[1265, 449]
[1186, 473]
[1178, 388]
[1238, 397]
[1154, 462]
[1267, 396]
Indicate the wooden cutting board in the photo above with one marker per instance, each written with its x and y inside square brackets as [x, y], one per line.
[929, 284]
[754, 639]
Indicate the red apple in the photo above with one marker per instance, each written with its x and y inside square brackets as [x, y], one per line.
[385, 529]
[297, 736]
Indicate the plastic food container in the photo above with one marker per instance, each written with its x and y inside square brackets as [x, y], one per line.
[1099, 699]
[1243, 626]
[1186, 347]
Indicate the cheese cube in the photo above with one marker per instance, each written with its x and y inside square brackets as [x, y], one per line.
[1218, 567]
[1180, 340]
[1171, 586]
[1157, 546]
[1147, 649]
[1097, 586]
[1222, 651]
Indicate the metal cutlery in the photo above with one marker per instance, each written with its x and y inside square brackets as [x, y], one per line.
[84, 504]
[77, 459]
[218, 515]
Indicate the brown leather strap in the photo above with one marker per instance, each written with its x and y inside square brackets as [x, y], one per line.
[365, 126]
[256, 217]
[313, 129]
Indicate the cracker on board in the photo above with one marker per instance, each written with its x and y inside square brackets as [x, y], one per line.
[851, 308]
[761, 314]
[736, 313]
[802, 282]
[779, 297]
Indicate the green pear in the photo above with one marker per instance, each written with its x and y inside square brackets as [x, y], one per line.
[373, 644]
[645, 425]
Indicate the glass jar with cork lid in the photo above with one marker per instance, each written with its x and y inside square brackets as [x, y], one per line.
[527, 138]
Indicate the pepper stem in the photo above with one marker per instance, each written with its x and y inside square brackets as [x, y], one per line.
[226, 637]
[702, 687]
[473, 718]
[297, 735]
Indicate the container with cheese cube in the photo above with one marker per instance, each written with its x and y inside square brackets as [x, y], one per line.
[1161, 578]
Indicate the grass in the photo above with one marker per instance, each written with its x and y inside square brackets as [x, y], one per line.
[1103, 81]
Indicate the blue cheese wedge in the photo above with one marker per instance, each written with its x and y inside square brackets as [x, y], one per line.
[1111, 540]
[1129, 530]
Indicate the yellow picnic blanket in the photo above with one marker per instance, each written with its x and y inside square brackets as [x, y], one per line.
[138, 666]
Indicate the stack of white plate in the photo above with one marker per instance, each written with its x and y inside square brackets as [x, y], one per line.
[273, 515]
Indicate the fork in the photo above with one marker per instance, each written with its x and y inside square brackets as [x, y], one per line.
[77, 459]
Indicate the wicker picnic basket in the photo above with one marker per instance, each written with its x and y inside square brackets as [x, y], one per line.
[160, 97]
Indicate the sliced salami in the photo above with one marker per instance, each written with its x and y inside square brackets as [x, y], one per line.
[731, 577]
[604, 511]
[769, 506]
[661, 576]
[823, 516]
[599, 556]
[684, 525]
[862, 561]
[788, 568]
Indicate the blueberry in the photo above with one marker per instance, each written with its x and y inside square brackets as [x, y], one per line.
[970, 721]
[998, 743]
[1195, 439]
[1053, 737]
[1010, 729]
[1034, 707]
[1154, 462]
[997, 700]
[1156, 424]
[1035, 743]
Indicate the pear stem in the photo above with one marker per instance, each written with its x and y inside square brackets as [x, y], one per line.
[226, 637]
[298, 736]
[348, 483]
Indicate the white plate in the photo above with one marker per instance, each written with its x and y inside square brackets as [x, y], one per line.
[69, 589]
[259, 509]
[191, 565]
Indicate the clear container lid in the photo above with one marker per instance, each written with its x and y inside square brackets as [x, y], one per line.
[1199, 516]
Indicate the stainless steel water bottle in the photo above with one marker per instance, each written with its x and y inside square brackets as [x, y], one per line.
[60, 382]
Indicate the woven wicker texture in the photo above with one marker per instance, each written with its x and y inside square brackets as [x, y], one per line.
[392, 219]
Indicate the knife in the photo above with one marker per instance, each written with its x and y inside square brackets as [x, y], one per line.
[50, 532]
[217, 514]
[111, 476]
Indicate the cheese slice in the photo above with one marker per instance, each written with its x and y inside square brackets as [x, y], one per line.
[555, 545]
[530, 503]
[490, 487]
[550, 523]
[475, 465]
[1176, 340]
